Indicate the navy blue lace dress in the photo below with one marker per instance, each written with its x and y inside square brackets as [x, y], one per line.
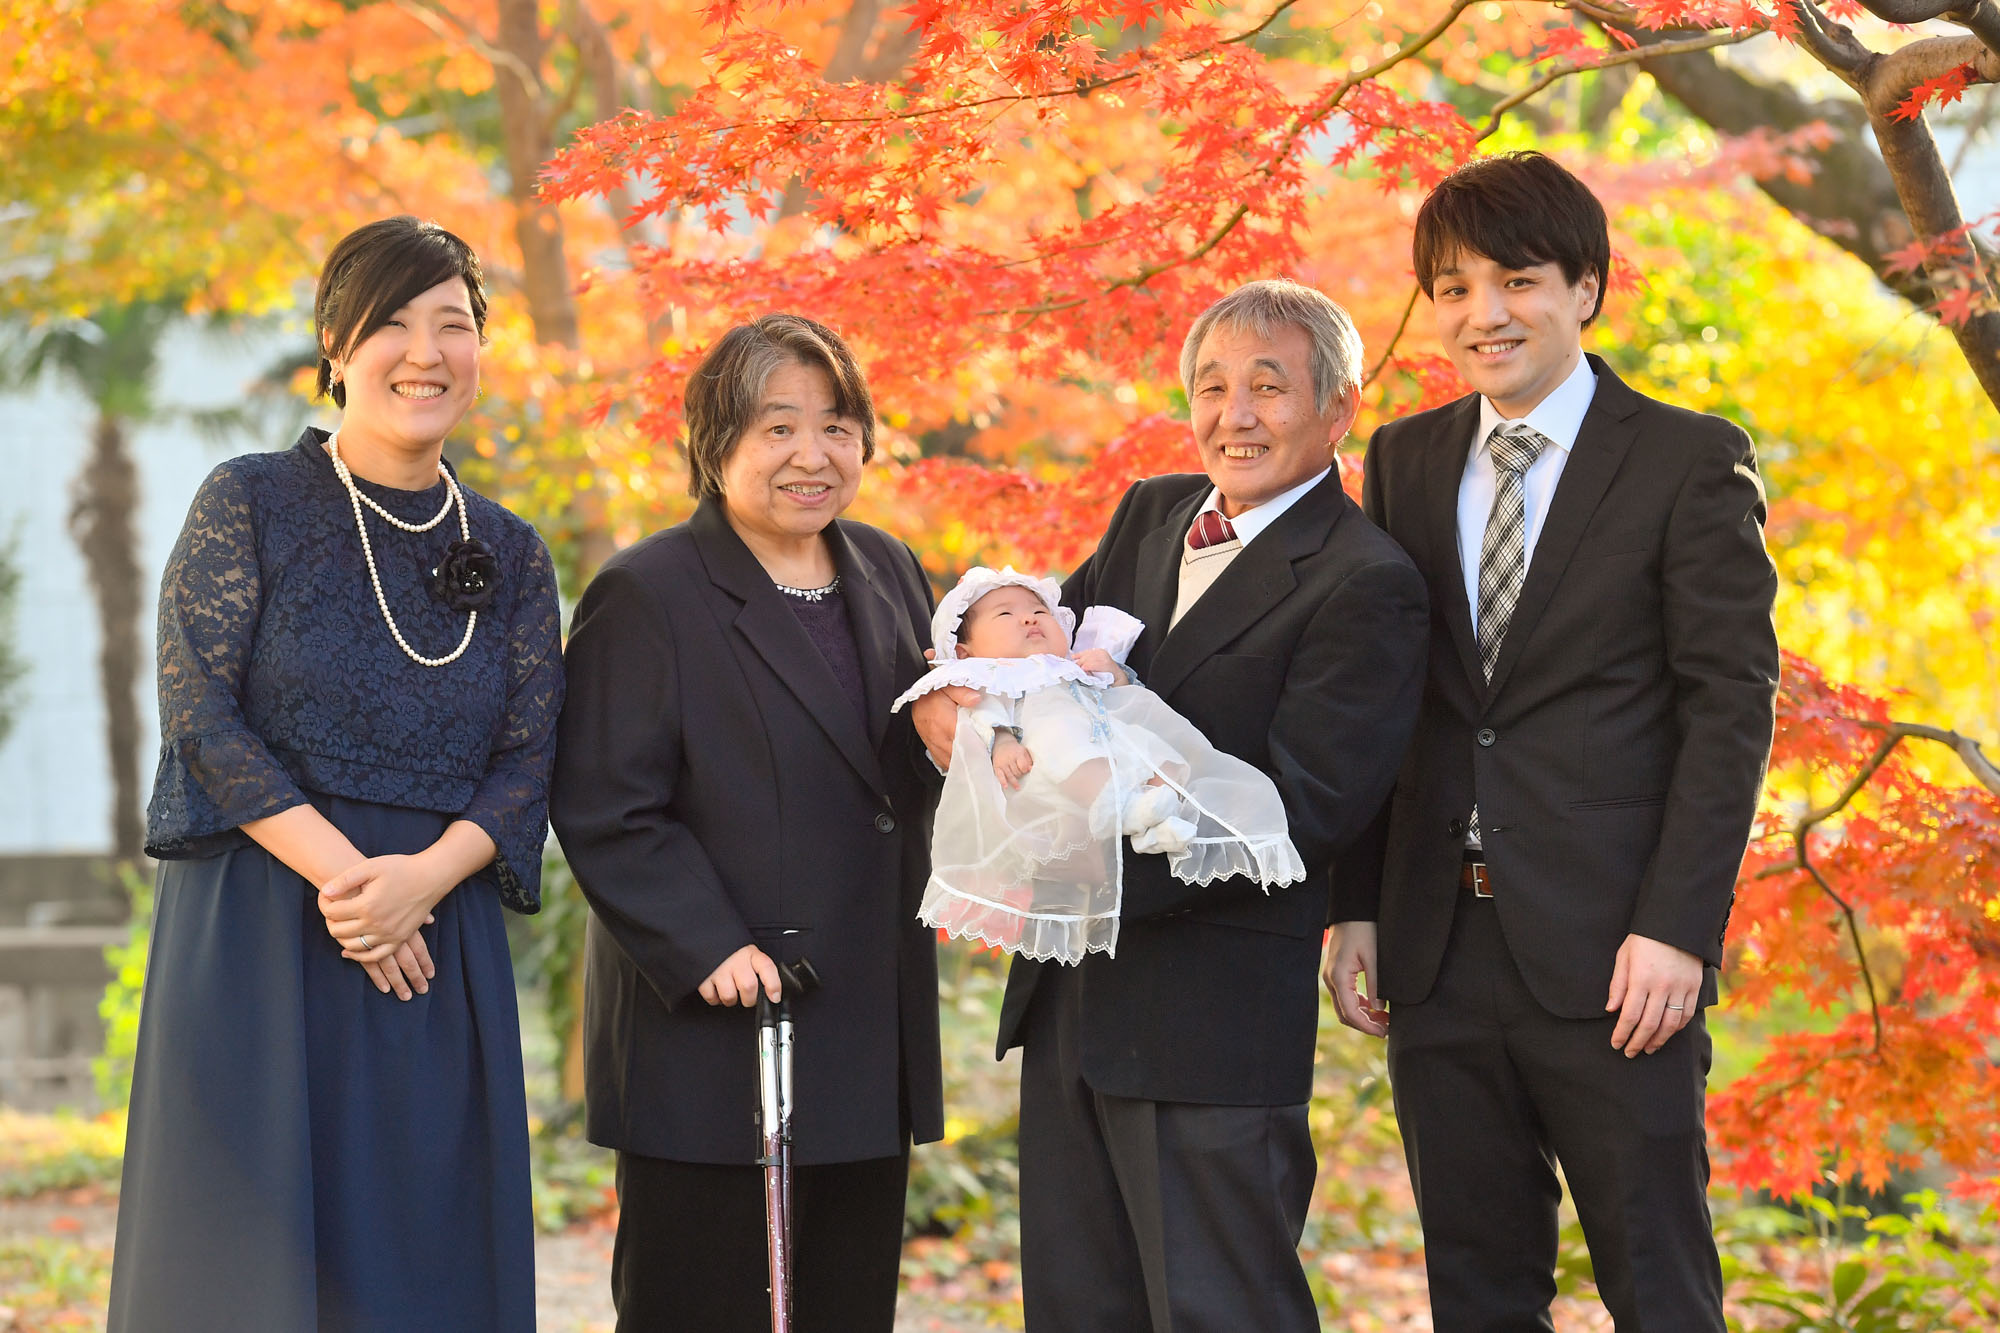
[306, 1153]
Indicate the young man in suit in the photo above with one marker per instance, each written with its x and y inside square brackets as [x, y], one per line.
[1166, 1165]
[1542, 902]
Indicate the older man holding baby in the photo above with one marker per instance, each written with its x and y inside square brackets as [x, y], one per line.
[1166, 1165]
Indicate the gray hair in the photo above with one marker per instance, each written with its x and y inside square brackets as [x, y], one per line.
[1263, 308]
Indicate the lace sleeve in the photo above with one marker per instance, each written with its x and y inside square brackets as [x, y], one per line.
[215, 773]
[512, 802]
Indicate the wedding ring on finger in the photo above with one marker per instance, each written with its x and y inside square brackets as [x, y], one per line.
[1677, 1007]
[366, 945]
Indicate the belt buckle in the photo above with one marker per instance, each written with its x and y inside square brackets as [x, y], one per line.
[1481, 887]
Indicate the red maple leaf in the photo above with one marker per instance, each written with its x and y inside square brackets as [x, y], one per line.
[1945, 89]
[1958, 305]
[925, 14]
[1908, 259]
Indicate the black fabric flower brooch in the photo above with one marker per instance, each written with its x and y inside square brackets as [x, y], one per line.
[467, 577]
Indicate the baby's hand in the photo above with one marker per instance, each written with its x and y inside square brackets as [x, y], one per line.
[1096, 659]
[1011, 760]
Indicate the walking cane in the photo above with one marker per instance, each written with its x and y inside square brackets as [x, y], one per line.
[774, 1125]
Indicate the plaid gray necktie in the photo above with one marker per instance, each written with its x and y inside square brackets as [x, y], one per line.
[1503, 553]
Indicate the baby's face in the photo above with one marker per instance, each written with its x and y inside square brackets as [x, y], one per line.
[1010, 622]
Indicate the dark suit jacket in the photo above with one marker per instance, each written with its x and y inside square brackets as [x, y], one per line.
[1305, 659]
[1618, 754]
[714, 787]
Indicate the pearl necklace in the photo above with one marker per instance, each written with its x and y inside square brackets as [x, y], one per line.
[452, 499]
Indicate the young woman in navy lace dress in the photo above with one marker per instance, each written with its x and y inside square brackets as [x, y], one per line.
[359, 677]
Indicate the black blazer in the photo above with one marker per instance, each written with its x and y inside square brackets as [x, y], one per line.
[714, 788]
[1618, 754]
[1305, 659]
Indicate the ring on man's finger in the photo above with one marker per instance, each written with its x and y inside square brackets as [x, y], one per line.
[1677, 1007]
[364, 941]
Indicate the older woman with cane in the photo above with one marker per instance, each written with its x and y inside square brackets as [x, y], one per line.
[359, 679]
[733, 793]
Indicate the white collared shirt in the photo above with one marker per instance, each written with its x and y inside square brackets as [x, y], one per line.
[1254, 520]
[1557, 418]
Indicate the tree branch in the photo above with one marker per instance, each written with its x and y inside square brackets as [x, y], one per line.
[1853, 938]
[1849, 198]
[1969, 752]
[1893, 734]
[1982, 17]
[449, 27]
[1890, 77]
[1402, 325]
[1287, 145]
[1635, 56]
[1832, 44]
[1082, 88]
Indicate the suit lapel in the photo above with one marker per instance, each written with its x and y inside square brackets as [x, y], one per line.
[1601, 444]
[1444, 470]
[870, 610]
[1258, 579]
[1158, 579]
[771, 628]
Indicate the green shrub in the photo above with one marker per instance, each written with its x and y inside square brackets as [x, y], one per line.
[119, 1007]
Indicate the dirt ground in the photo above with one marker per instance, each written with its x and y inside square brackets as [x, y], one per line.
[61, 1248]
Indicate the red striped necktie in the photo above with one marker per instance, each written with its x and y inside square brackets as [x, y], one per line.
[1210, 529]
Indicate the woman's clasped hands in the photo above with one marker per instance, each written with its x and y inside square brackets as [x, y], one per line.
[375, 910]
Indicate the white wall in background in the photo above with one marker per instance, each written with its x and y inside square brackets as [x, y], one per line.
[55, 781]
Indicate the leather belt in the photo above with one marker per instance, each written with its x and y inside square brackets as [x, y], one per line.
[1476, 877]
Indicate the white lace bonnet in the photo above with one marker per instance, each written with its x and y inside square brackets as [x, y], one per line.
[978, 581]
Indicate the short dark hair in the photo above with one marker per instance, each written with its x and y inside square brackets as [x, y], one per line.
[1518, 210]
[376, 270]
[726, 390]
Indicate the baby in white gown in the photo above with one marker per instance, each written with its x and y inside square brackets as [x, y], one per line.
[1062, 755]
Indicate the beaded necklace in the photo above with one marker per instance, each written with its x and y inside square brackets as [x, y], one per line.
[452, 500]
[808, 594]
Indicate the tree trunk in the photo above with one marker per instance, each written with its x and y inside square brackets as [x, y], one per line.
[527, 137]
[526, 129]
[1911, 152]
[105, 501]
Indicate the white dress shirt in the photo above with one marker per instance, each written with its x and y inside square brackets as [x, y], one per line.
[1557, 418]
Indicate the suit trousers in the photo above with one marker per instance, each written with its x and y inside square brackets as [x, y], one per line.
[1153, 1217]
[1491, 1092]
[691, 1248]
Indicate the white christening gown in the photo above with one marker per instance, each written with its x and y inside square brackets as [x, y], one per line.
[1038, 870]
